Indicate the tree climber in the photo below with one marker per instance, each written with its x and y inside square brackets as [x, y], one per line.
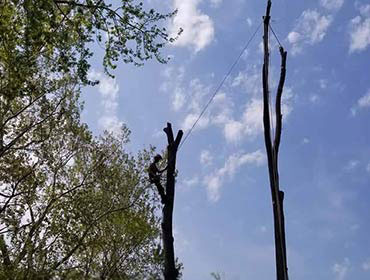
[155, 176]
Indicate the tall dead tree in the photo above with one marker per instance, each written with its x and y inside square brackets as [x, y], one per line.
[170, 270]
[272, 149]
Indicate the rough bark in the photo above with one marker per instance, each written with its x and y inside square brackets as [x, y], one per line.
[272, 149]
[170, 270]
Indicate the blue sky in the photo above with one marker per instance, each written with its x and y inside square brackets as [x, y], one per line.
[223, 214]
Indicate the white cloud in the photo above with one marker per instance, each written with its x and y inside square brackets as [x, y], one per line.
[363, 102]
[191, 182]
[221, 111]
[173, 79]
[215, 3]
[197, 99]
[351, 165]
[263, 229]
[191, 118]
[233, 131]
[368, 167]
[198, 27]
[340, 270]
[311, 28]
[251, 123]
[178, 99]
[182, 243]
[213, 184]
[249, 22]
[108, 88]
[214, 181]
[366, 265]
[332, 4]
[323, 83]
[198, 93]
[314, 98]
[110, 123]
[252, 117]
[359, 33]
[364, 9]
[294, 37]
[206, 158]
[359, 29]
[250, 81]
[306, 140]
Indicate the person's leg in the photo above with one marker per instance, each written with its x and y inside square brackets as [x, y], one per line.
[160, 190]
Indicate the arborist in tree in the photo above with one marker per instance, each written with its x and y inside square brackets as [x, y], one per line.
[155, 176]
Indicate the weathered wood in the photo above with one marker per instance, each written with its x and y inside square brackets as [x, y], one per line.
[170, 270]
[279, 116]
[272, 149]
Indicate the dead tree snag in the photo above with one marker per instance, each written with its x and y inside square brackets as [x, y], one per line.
[272, 149]
[170, 270]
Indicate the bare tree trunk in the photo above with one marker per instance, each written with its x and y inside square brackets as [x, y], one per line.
[170, 270]
[272, 149]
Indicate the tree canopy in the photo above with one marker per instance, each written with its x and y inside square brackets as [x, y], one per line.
[72, 205]
[59, 32]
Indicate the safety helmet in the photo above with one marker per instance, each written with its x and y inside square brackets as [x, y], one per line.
[158, 157]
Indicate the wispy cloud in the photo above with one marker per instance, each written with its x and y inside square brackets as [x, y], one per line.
[215, 3]
[250, 124]
[206, 158]
[108, 88]
[311, 28]
[332, 5]
[366, 265]
[359, 30]
[178, 100]
[351, 165]
[214, 181]
[340, 270]
[368, 167]
[198, 27]
[362, 102]
[191, 182]
[314, 98]
[173, 85]
[221, 113]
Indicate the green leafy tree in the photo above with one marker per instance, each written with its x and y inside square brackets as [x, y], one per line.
[60, 32]
[71, 206]
[85, 211]
[45, 49]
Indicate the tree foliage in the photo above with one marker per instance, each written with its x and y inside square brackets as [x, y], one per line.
[59, 32]
[44, 57]
[78, 207]
[71, 206]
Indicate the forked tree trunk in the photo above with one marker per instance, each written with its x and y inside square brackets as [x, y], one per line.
[170, 270]
[272, 149]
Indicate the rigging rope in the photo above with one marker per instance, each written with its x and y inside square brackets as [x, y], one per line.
[219, 87]
[276, 37]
